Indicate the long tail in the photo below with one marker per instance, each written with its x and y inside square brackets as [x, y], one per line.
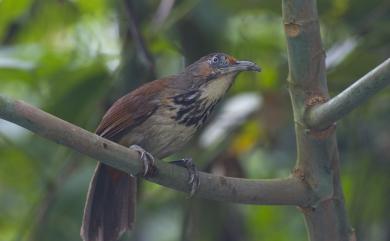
[110, 207]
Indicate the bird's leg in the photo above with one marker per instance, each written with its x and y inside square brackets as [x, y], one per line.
[193, 173]
[147, 158]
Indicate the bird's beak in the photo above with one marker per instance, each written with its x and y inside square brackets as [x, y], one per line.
[241, 65]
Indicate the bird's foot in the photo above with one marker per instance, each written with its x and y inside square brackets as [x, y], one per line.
[147, 159]
[193, 174]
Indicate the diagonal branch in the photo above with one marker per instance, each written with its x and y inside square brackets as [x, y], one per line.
[162, 13]
[324, 115]
[139, 41]
[287, 191]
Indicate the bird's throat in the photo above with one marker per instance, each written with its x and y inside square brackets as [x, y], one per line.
[215, 89]
[193, 107]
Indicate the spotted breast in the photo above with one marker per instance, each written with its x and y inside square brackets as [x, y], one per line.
[191, 109]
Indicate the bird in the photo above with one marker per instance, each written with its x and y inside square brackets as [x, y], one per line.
[156, 119]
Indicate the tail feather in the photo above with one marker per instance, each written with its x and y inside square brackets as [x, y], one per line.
[110, 207]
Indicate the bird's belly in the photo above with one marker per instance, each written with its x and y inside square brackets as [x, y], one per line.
[160, 135]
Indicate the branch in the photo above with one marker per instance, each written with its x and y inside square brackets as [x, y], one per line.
[324, 115]
[140, 44]
[317, 156]
[162, 13]
[287, 191]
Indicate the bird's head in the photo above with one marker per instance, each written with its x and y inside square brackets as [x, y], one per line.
[216, 65]
[214, 73]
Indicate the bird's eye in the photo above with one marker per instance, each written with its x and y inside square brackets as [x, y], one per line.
[215, 59]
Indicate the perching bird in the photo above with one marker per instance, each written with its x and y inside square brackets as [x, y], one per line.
[159, 117]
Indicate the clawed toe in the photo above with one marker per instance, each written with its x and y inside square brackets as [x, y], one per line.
[193, 174]
[147, 158]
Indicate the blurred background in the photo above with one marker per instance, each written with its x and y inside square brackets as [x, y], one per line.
[73, 58]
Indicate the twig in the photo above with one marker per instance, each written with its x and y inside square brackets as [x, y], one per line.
[41, 211]
[163, 11]
[140, 44]
[287, 191]
[324, 115]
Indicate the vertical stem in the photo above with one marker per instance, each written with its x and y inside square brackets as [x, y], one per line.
[317, 160]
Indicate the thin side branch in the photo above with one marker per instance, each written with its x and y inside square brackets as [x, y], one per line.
[135, 32]
[162, 13]
[287, 191]
[324, 115]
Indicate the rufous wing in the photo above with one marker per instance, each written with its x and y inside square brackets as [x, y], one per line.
[110, 207]
[131, 110]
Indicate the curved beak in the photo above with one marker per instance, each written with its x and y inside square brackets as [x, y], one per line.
[241, 65]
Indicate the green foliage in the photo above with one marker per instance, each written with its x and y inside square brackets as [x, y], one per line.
[73, 58]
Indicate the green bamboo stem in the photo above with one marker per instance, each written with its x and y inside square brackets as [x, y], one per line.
[317, 153]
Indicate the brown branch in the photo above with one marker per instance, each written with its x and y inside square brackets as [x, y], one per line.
[287, 191]
[139, 41]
